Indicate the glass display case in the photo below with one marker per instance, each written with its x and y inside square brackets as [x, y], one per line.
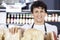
[25, 17]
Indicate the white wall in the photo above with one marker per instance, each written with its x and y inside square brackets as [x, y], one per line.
[10, 1]
[3, 17]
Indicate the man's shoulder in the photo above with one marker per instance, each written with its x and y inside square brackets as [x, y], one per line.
[47, 24]
[52, 27]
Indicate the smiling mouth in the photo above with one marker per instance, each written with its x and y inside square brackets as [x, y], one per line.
[39, 17]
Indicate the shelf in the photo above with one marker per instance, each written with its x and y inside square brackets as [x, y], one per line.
[47, 10]
[21, 18]
[18, 12]
[15, 24]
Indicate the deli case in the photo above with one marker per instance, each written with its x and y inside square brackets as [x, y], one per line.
[25, 17]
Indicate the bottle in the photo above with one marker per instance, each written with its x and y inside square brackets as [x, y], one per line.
[52, 17]
[56, 17]
[8, 18]
[15, 21]
[17, 18]
[23, 18]
[21, 22]
[49, 18]
[26, 18]
[12, 20]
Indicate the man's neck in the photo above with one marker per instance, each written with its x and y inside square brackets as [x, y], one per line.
[39, 23]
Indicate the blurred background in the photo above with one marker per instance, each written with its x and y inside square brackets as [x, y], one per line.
[17, 12]
[52, 4]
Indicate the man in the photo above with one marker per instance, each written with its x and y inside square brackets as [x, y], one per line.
[39, 10]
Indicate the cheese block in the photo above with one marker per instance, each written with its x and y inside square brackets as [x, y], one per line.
[51, 36]
[33, 34]
[1, 34]
[9, 36]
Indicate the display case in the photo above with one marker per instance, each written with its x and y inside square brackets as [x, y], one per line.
[25, 17]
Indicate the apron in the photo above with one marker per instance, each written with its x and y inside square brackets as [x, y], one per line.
[44, 28]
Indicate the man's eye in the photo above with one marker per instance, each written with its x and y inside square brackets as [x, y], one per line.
[41, 11]
[36, 11]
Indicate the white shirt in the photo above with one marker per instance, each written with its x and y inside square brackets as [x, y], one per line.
[50, 28]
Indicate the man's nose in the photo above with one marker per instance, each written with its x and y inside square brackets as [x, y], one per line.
[39, 14]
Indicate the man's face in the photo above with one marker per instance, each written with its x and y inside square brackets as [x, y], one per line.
[39, 14]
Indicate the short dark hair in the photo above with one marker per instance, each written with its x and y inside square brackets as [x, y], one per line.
[36, 4]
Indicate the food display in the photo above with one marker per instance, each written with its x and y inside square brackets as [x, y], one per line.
[33, 34]
[51, 36]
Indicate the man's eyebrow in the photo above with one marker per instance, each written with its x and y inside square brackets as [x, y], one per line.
[41, 10]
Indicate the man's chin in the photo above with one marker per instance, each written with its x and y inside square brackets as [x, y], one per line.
[39, 21]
